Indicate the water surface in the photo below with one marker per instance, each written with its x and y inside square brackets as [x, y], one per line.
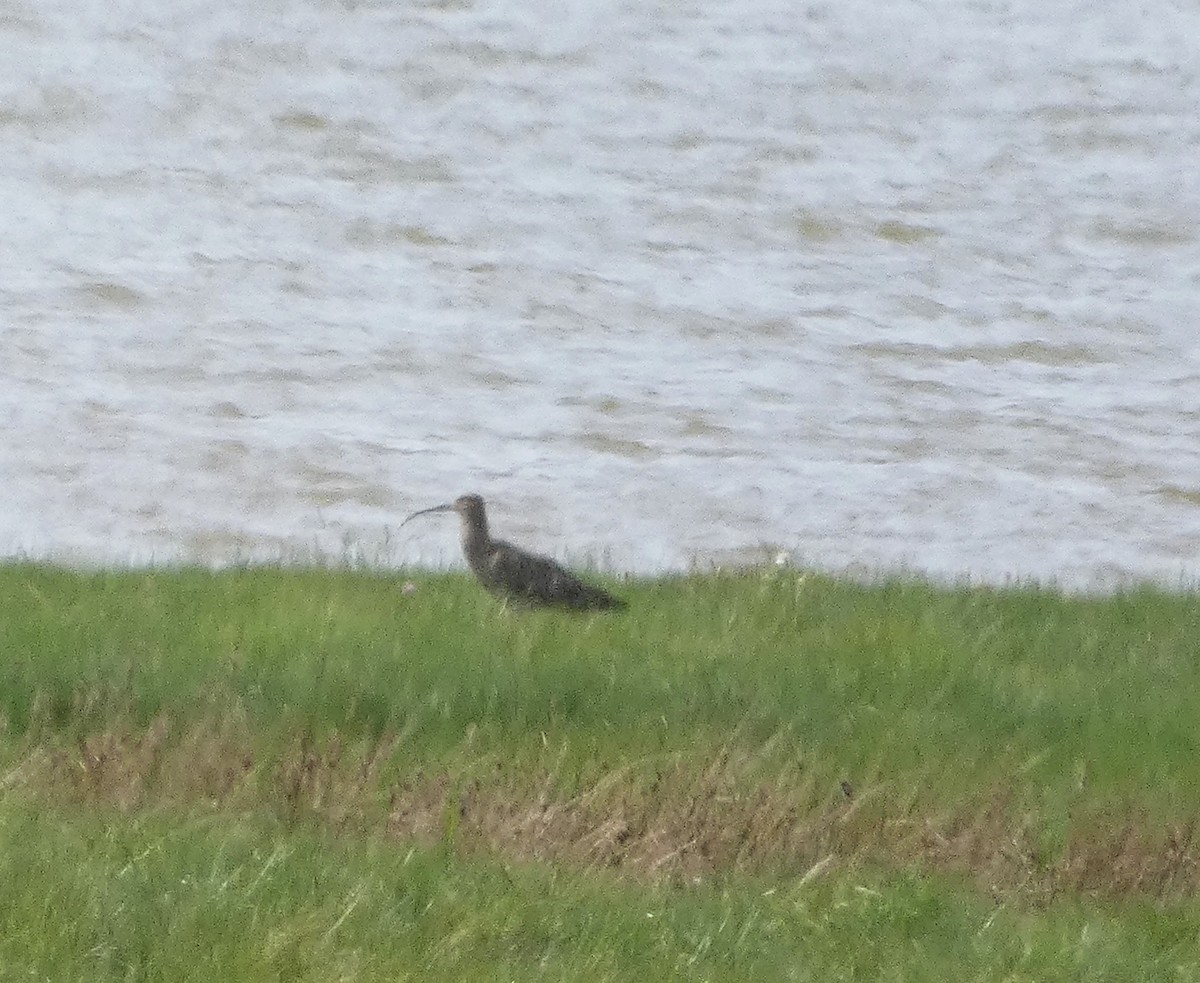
[914, 285]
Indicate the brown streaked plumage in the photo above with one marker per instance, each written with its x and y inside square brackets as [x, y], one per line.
[516, 574]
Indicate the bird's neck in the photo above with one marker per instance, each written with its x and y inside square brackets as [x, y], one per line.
[475, 536]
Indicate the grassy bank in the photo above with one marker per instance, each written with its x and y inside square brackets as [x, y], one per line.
[208, 898]
[730, 737]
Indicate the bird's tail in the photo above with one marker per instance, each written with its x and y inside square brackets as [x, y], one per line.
[598, 599]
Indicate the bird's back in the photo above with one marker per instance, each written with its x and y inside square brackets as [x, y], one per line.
[521, 575]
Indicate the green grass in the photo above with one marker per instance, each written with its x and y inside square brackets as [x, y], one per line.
[1022, 766]
[889, 679]
[207, 899]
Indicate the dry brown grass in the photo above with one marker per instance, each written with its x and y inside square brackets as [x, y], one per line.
[670, 820]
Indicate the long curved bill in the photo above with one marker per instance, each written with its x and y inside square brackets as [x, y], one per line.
[436, 508]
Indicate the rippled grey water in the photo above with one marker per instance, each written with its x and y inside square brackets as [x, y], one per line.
[875, 286]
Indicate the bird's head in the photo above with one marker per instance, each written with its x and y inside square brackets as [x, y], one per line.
[469, 508]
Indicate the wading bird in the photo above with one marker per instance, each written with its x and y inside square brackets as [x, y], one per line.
[515, 574]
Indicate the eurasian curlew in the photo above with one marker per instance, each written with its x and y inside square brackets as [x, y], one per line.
[516, 574]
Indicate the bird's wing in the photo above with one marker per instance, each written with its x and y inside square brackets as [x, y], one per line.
[538, 578]
[524, 573]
